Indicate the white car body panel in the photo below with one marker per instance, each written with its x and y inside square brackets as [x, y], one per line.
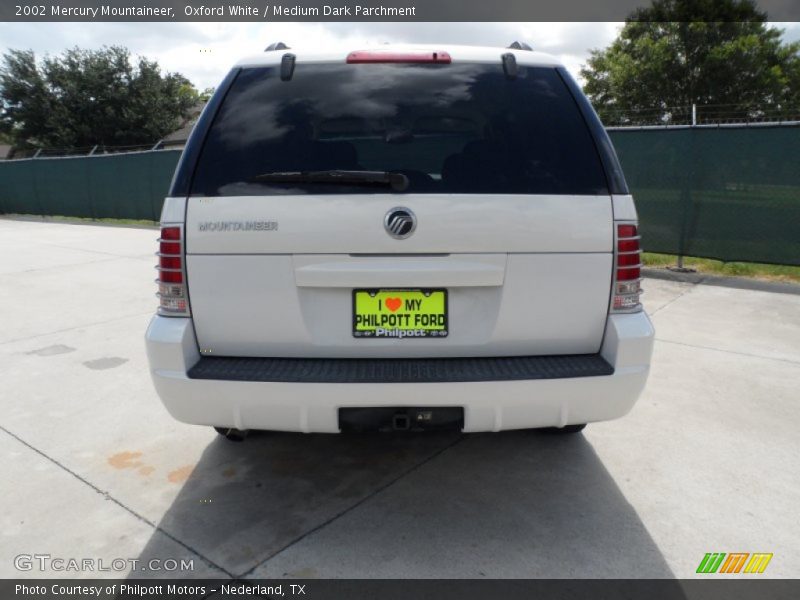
[624, 208]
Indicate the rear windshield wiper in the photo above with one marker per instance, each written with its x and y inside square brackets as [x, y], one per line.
[397, 181]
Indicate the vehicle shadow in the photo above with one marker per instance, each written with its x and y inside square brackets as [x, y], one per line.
[515, 504]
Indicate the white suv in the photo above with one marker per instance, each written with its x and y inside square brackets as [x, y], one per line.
[399, 238]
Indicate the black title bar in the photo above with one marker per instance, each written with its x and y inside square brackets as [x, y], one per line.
[344, 10]
[732, 588]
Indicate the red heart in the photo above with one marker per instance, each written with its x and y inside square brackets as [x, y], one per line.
[393, 303]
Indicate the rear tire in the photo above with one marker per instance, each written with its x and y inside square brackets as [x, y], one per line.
[566, 429]
[231, 434]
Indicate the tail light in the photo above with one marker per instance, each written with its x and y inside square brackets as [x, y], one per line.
[173, 300]
[627, 269]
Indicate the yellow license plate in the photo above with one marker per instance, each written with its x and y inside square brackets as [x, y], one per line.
[399, 313]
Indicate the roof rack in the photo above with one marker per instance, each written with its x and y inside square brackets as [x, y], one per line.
[276, 46]
[519, 46]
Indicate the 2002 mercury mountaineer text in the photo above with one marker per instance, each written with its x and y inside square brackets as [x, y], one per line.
[405, 238]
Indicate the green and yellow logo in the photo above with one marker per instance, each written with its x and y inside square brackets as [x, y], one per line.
[734, 562]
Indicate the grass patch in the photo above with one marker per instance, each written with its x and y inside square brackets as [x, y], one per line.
[86, 220]
[718, 267]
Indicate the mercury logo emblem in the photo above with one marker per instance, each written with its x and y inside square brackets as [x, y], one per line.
[400, 222]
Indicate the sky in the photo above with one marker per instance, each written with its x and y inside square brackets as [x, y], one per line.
[204, 52]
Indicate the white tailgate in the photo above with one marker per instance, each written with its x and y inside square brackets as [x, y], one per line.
[524, 274]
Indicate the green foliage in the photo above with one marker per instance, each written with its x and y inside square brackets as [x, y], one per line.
[87, 97]
[206, 94]
[718, 54]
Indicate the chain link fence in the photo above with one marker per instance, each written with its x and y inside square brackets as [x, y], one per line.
[729, 192]
[99, 149]
[699, 114]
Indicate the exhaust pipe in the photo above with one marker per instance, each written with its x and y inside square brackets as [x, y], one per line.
[234, 435]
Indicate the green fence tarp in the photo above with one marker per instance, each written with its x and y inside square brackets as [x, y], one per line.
[730, 193]
[117, 186]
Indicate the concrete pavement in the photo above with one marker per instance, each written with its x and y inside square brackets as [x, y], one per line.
[94, 466]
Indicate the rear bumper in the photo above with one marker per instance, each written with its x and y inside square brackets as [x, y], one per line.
[489, 405]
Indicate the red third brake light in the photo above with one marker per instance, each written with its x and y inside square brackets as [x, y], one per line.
[377, 56]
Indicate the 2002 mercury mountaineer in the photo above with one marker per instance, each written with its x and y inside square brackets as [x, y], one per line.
[399, 238]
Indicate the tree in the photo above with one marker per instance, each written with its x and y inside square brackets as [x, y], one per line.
[88, 97]
[718, 54]
[206, 94]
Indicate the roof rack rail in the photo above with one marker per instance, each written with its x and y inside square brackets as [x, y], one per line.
[519, 46]
[276, 46]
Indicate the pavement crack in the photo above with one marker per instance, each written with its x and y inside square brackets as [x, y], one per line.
[350, 508]
[107, 495]
[38, 335]
[113, 255]
[64, 266]
[675, 299]
[747, 354]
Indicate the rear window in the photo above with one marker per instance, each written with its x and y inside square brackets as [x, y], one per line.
[459, 128]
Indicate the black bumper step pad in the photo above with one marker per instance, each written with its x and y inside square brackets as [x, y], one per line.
[402, 370]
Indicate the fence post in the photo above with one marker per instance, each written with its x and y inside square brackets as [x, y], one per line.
[88, 166]
[686, 198]
[35, 179]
